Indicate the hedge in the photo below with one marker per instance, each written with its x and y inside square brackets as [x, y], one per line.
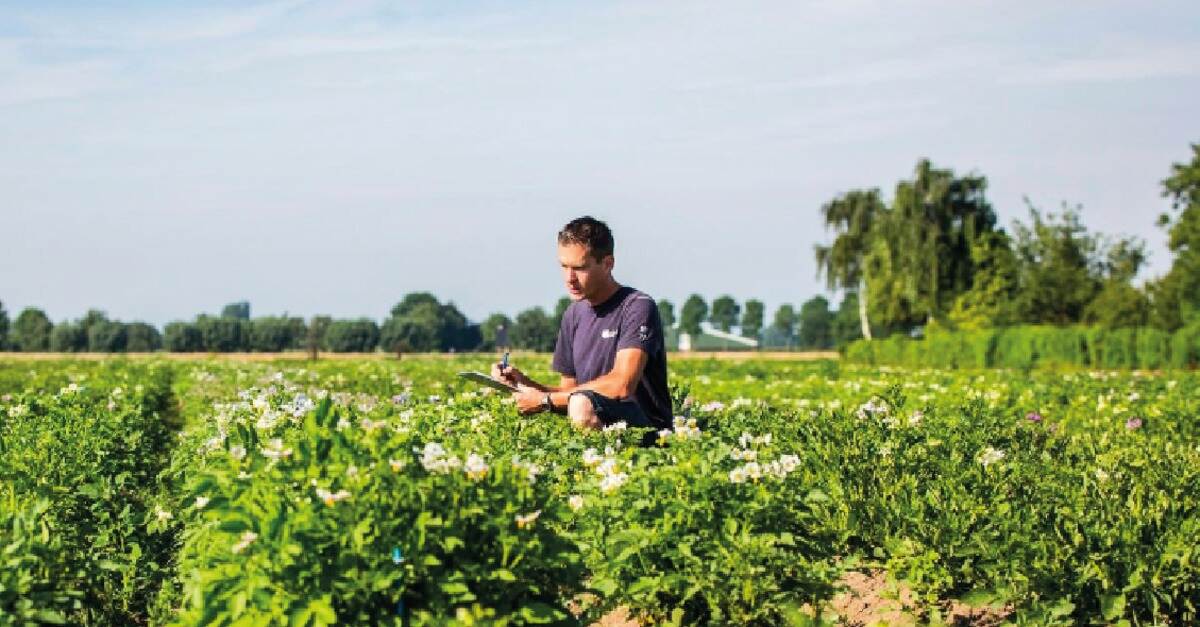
[1026, 347]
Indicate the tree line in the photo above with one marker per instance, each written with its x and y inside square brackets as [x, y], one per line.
[418, 323]
[934, 257]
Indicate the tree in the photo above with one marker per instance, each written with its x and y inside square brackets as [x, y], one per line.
[224, 334]
[141, 337]
[846, 322]
[420, 322]
[785, 322]
[352, 336]
[1177, 294]
[534, 330]
[31, 331]
[666, 313]
[921, 253]
[182, 337]
[816, 324]
[417, 329]
[455, 333]
[239, 310]
[4, 341]
[68, 337]
[413, 300]
[273, 334]
[1118, 305]
[106, 336]
[752, 319]
[314, 334]
[852, 217]
[992, 299]
[1060, 267]
[695, 310]
[724, 313]
[491, 328]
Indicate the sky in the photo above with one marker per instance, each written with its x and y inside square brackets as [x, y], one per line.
[161, 159]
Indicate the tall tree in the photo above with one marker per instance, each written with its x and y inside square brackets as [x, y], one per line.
[1177, 294]
[695, 310]
[785, 322]
[31, 331]
[752, 319]
[816, 324]
[921, 253]
[852, 218]
[666, 313]
[724, 312]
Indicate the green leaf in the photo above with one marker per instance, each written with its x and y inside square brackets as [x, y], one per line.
[1112, 606]
[541, 614]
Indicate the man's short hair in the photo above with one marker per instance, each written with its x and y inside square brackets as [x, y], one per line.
[589, 232]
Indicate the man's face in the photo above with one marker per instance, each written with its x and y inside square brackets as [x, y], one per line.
[583, 275]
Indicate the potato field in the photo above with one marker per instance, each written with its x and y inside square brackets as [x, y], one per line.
[390, 492]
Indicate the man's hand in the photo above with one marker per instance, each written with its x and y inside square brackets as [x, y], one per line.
[510, 375]
[529, 400]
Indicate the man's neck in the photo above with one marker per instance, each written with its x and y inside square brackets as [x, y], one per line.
[599, 299]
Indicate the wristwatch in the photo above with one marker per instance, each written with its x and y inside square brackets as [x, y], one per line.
[548, 402]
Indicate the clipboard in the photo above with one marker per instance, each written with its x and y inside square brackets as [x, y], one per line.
[483, 379]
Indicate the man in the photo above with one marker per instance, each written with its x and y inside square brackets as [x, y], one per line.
[610, 352]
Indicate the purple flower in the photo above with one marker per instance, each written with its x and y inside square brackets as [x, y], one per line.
[400, 399]
[1033, 416]
[1133, 423]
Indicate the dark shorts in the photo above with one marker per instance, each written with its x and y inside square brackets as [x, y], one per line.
[610, 411]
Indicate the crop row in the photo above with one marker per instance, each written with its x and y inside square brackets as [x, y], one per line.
[358, 494]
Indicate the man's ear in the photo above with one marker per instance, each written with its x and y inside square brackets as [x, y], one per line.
[608, 262]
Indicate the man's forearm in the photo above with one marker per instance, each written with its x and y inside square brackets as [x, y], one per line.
[612, 385]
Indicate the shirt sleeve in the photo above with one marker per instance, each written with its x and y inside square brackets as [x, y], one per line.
[640, 325]
[564, 361]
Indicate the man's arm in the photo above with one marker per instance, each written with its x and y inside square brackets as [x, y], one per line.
[619, 383]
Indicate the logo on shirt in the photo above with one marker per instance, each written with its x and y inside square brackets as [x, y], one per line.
[644, 332]
[608, 334]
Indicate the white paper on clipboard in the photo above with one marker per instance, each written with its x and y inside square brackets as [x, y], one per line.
[483, 379]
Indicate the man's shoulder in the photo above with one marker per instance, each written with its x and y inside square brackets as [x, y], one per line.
[640, 304]
[639, 297]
